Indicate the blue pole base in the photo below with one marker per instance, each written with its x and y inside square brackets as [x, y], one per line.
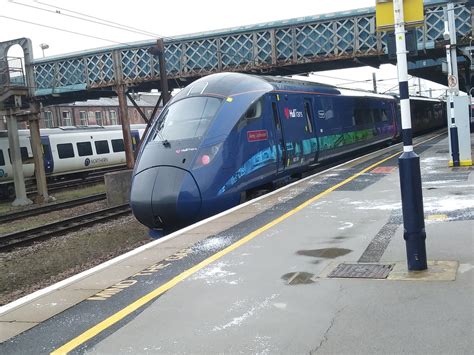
[453, 131]
[412, 207]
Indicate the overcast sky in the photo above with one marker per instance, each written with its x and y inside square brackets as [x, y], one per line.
[165, 18]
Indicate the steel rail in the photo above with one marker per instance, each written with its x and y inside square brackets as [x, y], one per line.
[8, 241]
[50, 207]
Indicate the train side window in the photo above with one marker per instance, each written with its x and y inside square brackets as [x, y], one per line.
[65, 151]
[309, 118]
[24, 156]
[102, 147]
[363, 116]
[2, 159]
[275, 115]
[376, 115]
[325, 108]
[117, 145]
[84, 149]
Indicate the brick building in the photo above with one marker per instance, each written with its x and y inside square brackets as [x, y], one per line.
[102, 112]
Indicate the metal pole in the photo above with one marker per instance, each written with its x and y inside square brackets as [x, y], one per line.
[160, 46]
[409, 163]
[451, 59]
[125, 121]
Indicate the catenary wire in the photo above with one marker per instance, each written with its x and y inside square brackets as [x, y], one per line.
[63, 30]
[100, 19]
[118, 26]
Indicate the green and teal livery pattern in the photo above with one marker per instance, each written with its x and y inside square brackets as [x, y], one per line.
[295, 154]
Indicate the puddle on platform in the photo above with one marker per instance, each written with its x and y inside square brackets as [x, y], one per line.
[328, 253]
[298, 278]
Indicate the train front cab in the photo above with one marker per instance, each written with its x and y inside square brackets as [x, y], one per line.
[199, 145]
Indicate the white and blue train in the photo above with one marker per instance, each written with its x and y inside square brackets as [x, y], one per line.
[227, 134]
[67, 151]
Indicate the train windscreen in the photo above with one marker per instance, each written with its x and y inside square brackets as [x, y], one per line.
[187, 118]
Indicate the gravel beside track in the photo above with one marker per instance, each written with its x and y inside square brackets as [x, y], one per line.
[31, 268]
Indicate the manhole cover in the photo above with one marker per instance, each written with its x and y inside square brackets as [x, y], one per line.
[362, 271]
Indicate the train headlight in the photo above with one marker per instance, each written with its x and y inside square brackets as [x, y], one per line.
[205, 159]
[207, 155]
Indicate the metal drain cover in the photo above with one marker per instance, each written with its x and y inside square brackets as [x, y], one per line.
[362, 271]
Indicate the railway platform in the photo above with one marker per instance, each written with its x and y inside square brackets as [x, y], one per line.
[317, 267]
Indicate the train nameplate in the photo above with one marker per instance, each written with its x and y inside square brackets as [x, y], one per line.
[256, 136]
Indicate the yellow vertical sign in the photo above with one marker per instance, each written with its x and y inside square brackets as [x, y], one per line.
[412, 10]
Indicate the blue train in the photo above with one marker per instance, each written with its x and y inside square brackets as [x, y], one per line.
[227, 134]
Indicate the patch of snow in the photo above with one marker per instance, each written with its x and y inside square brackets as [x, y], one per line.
[346, 225]
[237, 321]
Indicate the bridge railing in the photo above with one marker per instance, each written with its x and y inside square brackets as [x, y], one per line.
[12, 73]
[259, 47]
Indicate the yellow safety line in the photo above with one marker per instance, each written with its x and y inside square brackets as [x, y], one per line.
[100, 327]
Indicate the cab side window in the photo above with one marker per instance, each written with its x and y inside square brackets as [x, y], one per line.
[2, 159]
[254, 111]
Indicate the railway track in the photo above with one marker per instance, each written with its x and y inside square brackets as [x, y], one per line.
[51, 207]
[68, 184]
[9, 241]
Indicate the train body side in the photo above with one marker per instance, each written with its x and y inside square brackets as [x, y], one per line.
[254, 138]
[68, 151]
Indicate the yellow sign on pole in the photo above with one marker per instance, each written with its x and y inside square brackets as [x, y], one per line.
[412, 10]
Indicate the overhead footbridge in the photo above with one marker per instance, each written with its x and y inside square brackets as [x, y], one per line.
[312, 43]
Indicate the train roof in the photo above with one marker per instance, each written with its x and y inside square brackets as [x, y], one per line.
[74, 129]
[287, 81]
[229, 84]
[421, 98]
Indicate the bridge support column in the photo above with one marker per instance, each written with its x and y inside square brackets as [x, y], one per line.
[40, 175]
[123, 114]
[17, 165]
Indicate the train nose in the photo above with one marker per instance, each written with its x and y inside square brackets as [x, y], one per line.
[165, 197]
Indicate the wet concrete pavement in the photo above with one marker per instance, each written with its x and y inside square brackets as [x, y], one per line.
[258, 281]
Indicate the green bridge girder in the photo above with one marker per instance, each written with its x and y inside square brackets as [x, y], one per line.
[293, 46]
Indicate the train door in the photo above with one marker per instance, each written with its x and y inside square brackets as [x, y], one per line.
[326, 126]
[135, 139]
[311, 145]
[295, 130]
[278, 131]
[47, 155]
